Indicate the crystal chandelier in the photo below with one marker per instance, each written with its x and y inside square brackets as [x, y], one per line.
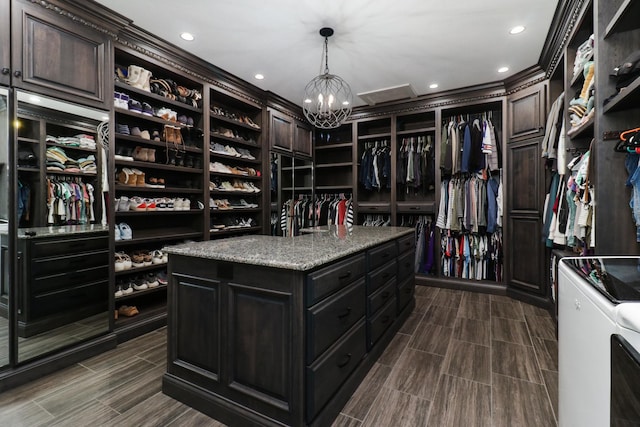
[327, 98]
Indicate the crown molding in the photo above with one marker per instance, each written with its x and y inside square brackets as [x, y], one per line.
[564, 20]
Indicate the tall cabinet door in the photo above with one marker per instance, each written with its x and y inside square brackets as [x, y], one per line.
[55, 56]
[524, 205]
[5, 37]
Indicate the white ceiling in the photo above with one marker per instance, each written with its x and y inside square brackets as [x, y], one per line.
[377, 43]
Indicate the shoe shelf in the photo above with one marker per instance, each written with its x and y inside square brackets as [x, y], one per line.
[626, 99]
[159, 235]
[155, 98]
[234, 158]
[136, 294]
[158, 212]
[159, 166]
[167, 190]
[146, 312]
[215, 211]
[160, 144]
[240, 141]
[134, 270]
[236, 176]
[233, 193]
[233, 122]
[235, 230]
[154, 119]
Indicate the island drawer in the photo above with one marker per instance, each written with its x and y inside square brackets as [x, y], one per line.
[63, 264]
[329, 319]
[381, 254]
[328, 280]
[382, 275]
[381, 321]
[326, 375]
[380, 297]
[57, 247]
[406, 265]
[405, 292]
[406, 243]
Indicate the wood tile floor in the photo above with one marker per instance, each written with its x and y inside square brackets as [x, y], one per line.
[461, 359]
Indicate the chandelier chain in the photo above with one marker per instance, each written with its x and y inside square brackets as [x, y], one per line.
[326, 55]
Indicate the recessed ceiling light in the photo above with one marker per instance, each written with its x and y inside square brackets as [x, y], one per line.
[187, 36]
[259, 76]
[433, 85]
[503, 69]
[517, 29]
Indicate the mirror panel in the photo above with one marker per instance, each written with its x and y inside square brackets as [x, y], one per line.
[4, 227]
[62, 246]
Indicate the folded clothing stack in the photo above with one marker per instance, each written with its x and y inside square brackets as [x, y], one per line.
[59, 161]
[583, 54]
[582, 106]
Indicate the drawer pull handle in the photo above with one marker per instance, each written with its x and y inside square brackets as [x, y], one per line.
[344, 361]
[385, 255]
[385, 294]
[345, 275]
[345, 313]
[385, 319]
[385, 275]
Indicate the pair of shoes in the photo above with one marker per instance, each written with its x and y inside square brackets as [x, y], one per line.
[172, 134]
[127, 311]
[167, 114]
[121, 100]
[123, 261]
[153, 182]
[139, 77]
[123, 129]
[144, 134]
[124, 153]
[159, 257]
[131, 177]
[123, 231]
[144, 154]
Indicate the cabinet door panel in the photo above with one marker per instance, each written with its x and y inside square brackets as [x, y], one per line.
[527, 271]
[281, 131]
[527, 113]
[524, 177]
[53, 53]
[259, 344]
[198, 323]
[5, 43]
[303, 142]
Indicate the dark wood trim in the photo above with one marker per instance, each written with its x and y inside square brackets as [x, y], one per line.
[564, 19]
[484, 287]
[529, 298]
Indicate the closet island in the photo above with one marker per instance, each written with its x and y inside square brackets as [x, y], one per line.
[267, 330]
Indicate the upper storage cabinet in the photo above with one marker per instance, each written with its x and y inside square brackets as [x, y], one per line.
[289, 135]
[5, 52]
[526, 113]
[53, 55]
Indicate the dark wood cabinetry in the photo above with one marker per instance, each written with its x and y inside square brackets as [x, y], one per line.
[289, 135]
[54, 56]
[303, 139]
[280, 131]
[256, 345]
[62, 279]
[5, 43]
[527, 113]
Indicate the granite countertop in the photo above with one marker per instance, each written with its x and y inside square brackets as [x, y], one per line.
[319, 246]
[61, 230]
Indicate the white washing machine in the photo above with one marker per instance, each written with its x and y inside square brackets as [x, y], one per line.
[599, 339]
